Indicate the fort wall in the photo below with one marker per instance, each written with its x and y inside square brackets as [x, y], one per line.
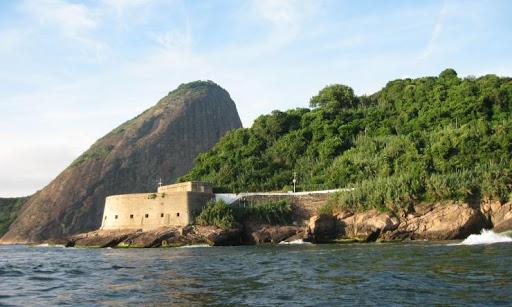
[146, 211]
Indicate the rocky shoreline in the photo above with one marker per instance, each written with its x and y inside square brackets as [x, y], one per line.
[449, 221]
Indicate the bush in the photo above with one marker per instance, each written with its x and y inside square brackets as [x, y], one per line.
[270, 212]
[217, 213]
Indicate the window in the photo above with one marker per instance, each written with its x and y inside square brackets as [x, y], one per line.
[131, 216]
[147, 215]
[105, 217]
[115, 217]
[177, 214]
[161, 215]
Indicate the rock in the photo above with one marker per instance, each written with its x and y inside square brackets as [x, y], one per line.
[442, 222]
[162, 142]
[224, 237]
[273, 234]
[501, 217]
[368, 226]
[99, 239]
[322, 228]
[502, 213]
[161, 237]
[153, 238]
[505, 225]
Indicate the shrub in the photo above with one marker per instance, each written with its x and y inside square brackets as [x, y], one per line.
[217, 213]
[327, 209]
[270, 212]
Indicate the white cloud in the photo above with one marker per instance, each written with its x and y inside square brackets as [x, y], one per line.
[287, 17]
[74, 21]
[71, 18]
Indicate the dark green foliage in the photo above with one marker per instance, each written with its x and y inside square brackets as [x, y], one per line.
[269, 212]
[218, 213]
[334, 97]
[9, 208]
[432, 138]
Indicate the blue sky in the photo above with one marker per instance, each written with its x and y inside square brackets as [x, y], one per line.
[71, 71]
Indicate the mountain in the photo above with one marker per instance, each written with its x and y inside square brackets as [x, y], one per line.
[9, 208]
[428, 139]
[162, 142]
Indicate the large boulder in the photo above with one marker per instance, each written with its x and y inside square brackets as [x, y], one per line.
[501, 217]
[99, 238]
[322, 228]
[273, 234]
[216, 236]
[161, 142]
[441, 222]
[367, 226]
[161, 237]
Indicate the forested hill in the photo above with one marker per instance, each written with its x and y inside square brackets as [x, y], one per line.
[431, 138]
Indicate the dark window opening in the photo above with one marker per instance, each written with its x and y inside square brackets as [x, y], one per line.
[131, 216]
[115, 217]
[105, 217]
[177, 214]
[161, 215]
[147, 215]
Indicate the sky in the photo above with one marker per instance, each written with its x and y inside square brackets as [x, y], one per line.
[71, 71]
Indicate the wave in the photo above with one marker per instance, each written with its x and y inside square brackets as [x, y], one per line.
[298, 241]
[49, 245]
[194, 246]
[486, 237]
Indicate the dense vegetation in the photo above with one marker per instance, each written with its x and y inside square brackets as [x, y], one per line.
[9, 208]
[432, 138]
[218, 213]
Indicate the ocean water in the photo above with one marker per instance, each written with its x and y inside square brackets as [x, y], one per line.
[291, 275]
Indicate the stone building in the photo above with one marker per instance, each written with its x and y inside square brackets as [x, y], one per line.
[172, 205]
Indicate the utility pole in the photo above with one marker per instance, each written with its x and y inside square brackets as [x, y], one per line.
[294, 180]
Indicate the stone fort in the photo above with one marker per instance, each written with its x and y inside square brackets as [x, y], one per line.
[172, 205]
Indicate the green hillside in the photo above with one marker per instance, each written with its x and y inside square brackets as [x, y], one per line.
[431, 138]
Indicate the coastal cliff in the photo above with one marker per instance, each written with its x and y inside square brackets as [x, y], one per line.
[162, 142]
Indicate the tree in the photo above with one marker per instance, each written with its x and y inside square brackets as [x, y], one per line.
[334, 97]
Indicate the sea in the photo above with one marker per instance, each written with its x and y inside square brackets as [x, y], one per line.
[476, 271]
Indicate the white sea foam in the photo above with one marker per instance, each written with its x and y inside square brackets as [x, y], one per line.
[49, 245]
[486, 237]
[194, 246]
[298, 241]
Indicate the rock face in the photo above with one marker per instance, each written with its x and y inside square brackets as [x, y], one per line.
[322, 228]
[162, 142]
[500, 215]
[162, 237]
[271, 234]
[444, 222]
[433, 222]
[367, 226]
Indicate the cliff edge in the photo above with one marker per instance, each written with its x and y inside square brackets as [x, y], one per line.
[162, 142]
